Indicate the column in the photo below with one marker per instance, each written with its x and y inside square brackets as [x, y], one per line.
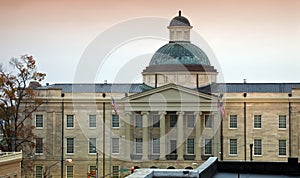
[216, 137]
[162, 135]
[180, 135]
[198, 146]
[127, 123]
[145, 135]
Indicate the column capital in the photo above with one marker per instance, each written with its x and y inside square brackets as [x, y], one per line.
[198, 113]
[180, 113]
[144, 113]
[162, 113]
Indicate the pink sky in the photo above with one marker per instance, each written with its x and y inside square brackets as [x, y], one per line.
[253, 39]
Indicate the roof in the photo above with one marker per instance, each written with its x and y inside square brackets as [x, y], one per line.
[179, 21]
[249, 87]
[179, 53]
[140, 87]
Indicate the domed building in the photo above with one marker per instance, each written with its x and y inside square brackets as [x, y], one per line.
[177, 118]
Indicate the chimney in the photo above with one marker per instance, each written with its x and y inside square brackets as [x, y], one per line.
[245, 80]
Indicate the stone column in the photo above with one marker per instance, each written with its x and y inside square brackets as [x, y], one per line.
[145, 135]
[127, 123]
[180, 135]
[162, 135]
[198, 146]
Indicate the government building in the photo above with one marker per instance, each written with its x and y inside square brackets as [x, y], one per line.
[177, 118]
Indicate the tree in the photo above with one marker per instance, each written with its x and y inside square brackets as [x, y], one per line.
[18, 101]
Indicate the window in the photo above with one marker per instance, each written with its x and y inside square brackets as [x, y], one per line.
[282, 122]
[190, 121]
[70, 121]
[156, 146]
[208, 121]
[233, 121]
[233, 146]
[138, 145]
[38, 171]
[173, 120]
[70, 145]
[257, 147]
[155, 120]
[282, 147]
[115, 145]
[39, 145]
[92, 145]
[39, 121]
[208, 147]
[92, 168]
[115, 121]
[138, 121]
[115, 171]
[92, 121]
[257, 121]
[190, 146]
[70, 170]
[173, 146]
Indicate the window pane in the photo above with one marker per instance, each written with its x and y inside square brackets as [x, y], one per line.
[156, 146]
[233, 121]
[191, 121]
[70, 171]
[115, 121]
[70, 145]
[282, 147]
[208, 147]
[39, 121]
[282, 121]
[208, 121]
[92, 121]
[39, 145]
[173, 144]
[233, 146]
[138, 145]
[115, 145]
[38, 171]
[92, 145]
[257, 121]
[155, 121]
[70, 121]
[190, 146]
[138, 121]
[173, 120]
[115, 171]
[257, 147]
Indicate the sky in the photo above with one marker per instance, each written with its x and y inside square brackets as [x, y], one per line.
[92, 41]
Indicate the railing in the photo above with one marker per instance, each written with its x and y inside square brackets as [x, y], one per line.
[8, 156]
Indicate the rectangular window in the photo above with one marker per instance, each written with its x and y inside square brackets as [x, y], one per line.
[208, 121]
[190, 146]
[173, 120]
[115, 171]
[70, 121]
[92, 121]
[208, 147]
[173, 146]
[156, 146]
[39, 121]
[138, 145]
[70, 145]
[70, 171]
[155, 120]
[282, 147]
[257, 121]
[233, 146]
[115, 145]
[92, 145]
[39, 145]
[92, 168]
[282, 121]
[115, 121]
[233, 121]
[138, 121]
[38, 171]
[190, 121]
[257, 147]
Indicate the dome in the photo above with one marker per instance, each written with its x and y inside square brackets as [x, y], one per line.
[179, 21]
[179, 53]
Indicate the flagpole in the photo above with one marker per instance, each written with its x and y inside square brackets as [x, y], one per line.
[221, 126]
[110, 151]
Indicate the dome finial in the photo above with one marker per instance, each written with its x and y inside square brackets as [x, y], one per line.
[179, 12]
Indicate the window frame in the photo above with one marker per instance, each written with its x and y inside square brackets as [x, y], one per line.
[280, 117]
[208, 145]
[188, 121]
[138, 146]
[67, 121]
[72, 146]
[39, 147]
[138, 121]
[155, 121]
[115, 121]
[173, 117]
[115, 146]
[114, 172]
[91, 122]
[257, 147]
[68, 171]
[233, 124]
[40, 175]
[233, 147]
[190, 146]
[92, 146]
[173, 144]
[208, 118]
[155, 146]
[281, 148]
[256, 123]
[42, 121]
